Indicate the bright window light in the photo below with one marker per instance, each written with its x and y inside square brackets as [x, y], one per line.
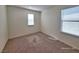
[70, 20]
[30, 19]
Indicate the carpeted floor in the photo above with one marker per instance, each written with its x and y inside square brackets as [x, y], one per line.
[37, 43]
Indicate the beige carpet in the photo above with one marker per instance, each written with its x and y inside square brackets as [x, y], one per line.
[37, 43]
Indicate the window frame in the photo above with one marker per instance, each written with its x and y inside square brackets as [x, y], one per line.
[61, 23]
[28, 19]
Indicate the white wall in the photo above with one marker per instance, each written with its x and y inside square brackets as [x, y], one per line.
[17, 19]
[3, 27]
[51, 24]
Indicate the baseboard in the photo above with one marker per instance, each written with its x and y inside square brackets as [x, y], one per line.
[4, 46]
[62, 41]
[22, 35]
[74, 47]
[49, 35]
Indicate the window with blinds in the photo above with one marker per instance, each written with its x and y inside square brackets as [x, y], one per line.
[70, 20]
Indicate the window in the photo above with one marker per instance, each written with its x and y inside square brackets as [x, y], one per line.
[30, 19]
[70, 20]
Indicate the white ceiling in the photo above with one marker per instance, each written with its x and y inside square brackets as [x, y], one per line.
[35, 7]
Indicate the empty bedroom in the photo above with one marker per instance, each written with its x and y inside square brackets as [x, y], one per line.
[39, 28]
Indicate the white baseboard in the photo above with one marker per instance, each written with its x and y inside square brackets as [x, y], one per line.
[74, 47]
[17, 36]
[21, 35]
[69, 44]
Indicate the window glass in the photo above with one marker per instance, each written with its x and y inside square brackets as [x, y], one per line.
[30, 19]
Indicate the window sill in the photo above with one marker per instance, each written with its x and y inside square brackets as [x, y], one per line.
[30, 25]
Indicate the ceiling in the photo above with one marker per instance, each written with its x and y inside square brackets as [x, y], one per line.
[35, 7]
